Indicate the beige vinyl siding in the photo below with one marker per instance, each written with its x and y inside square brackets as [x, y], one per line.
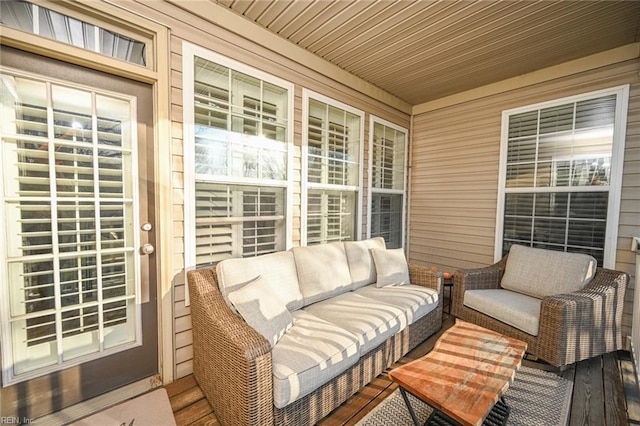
[629, 225]
[455, 165]
[186, 27]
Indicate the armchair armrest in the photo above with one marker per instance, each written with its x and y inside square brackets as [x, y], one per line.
[232, 361]
[583, 324]
[476, 279]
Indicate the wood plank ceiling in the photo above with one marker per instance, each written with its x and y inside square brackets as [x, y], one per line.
[421, 50]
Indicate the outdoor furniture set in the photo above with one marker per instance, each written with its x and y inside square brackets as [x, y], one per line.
[285, 338]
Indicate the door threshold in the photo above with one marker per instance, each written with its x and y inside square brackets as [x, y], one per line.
[99, 403]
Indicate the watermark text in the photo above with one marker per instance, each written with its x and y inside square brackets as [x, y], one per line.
[10, 420]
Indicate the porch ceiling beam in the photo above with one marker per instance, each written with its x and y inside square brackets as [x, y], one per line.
[231, 21]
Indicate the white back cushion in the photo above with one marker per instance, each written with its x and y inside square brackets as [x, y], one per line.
[323, 271]
[278, 269]
[361, 266]
[540, 273]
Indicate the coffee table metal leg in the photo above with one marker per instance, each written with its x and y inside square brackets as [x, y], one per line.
[416, 422]
[436, 417]
[498, 415]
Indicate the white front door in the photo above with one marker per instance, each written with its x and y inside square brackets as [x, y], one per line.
[78, 308]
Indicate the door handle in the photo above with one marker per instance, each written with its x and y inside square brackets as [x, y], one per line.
[147, 249]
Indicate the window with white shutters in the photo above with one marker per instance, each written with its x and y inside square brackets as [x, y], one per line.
[387, 150]
[68, 166]
[561, 174]
[239, 149]
[332, 163]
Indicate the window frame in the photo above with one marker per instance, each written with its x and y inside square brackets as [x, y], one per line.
[617, 162]
[306, 186]
[189, 53]
[373, 120]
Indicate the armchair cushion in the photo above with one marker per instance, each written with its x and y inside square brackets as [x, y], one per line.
[259, 305]
[391, 267]
[516, 309]
[539, 273]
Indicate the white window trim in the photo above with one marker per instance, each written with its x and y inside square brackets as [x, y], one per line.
[372, 121]
[305, 185]
[189, 51]
[617, 161]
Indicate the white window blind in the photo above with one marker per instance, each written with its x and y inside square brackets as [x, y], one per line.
[68, 203]
[237, 221]
[330, 216]
[387, 185]
[387, 218]
[333, 180]
[39, 20]
[239, 149]
[562, 174]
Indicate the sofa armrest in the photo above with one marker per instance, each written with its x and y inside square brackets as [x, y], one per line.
[585, 323]
[475, 279]
[232, 361]
[425, 277]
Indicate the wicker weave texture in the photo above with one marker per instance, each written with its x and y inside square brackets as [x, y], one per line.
[233, 366]
[232, 362]
[573, 326]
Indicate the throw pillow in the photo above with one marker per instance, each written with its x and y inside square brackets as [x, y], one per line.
[262, 309]
[391, 267]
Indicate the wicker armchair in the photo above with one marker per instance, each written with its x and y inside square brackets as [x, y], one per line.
[573, 326]
[233, 364]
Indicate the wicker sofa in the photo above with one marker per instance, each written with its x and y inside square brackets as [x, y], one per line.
[336, 300]
[561, 304]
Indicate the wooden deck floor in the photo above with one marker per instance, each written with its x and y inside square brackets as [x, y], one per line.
[603, 394]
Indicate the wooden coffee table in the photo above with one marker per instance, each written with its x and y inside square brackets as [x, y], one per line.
[464, 376]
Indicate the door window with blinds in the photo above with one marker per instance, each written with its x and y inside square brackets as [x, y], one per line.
[332, 161]
[237, 154]
[70, 277]
[561, 174]
[387, 158]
